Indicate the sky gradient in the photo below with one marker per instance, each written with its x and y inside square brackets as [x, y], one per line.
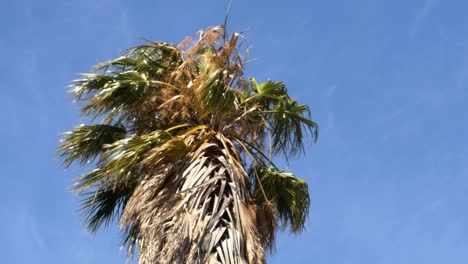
[385, 80]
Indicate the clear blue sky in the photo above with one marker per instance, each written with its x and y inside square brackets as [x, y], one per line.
[386, 81]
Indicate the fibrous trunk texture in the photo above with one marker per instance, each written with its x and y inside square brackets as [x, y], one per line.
[197, 210]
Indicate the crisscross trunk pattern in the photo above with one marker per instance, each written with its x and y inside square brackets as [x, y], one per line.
[197, 212]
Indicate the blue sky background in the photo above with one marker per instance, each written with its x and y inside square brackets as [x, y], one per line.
[386, 81]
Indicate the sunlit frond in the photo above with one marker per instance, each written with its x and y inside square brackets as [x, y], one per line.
[216, 96]
[122, 160]
[124, 91]
[85, 143]
[289, 122]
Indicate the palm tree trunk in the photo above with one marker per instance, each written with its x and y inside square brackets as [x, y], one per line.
[199, 211]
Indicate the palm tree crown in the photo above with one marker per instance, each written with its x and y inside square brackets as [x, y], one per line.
[182, 145]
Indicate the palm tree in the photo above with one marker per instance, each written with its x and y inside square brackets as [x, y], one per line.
[182, 145]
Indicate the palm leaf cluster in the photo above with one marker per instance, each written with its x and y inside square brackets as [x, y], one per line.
[181, 144]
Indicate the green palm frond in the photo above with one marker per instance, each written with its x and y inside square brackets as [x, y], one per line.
[166, 52]
[288, 194]
[149, 58]
[124, 91]
[122, 160]
[130, 238]
[154, 58]
[289, 122]
[88, 83]
[85, 143]
[103, 205]
[216, 96]
[125, 83]
[110, 186]
[133, 147]
[265, 93]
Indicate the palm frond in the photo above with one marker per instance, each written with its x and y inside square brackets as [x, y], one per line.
[85, 143]
[88, 83]
[216, 96]
[289, 123]
[130, 239]
[154, 58]
[122, 160]
[121, 94]
[103, 205]
[264, 93]
[288, 194]
[126, 82]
